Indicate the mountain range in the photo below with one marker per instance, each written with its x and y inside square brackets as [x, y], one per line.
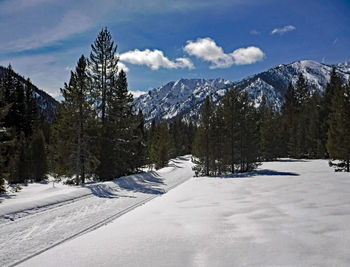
[185, 97]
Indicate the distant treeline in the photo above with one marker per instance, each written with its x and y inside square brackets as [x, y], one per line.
[235, 136]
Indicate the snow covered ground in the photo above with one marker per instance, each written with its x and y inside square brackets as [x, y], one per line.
[288, 213]
[41, 216]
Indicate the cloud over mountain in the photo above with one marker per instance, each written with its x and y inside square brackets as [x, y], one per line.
[207, 50]
[154, 59]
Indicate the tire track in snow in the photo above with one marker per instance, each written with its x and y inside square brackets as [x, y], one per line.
[101, 222]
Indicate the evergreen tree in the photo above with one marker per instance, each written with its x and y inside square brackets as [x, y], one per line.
[9, 84]
[248, 134]
[160, 146]
[269, 139]
[334, 85]
[202, 143]
[302, 92]
[31, 116]
[230, 116]
[39, 168]
[120, 132]
[289, 122]
[140, 146]
[103, 62]
[74, 122]
[217, 142]
[311, 121]
[6, 143]
[338, 143]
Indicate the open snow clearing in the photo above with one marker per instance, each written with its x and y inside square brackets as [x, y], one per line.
[41, 217]
[286, 213]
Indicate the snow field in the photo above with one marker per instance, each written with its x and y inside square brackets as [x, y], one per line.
[287, 213]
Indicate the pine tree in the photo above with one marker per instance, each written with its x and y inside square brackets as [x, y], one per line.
[160, 146]
[289, 122]
[9, 84]
[103, 62]
[302, 92]
[269, 139]
[107, 90]
[338, 143]
[6, 143]
[230, 117]
[248, 134]
[217, 142]
[39, 168]
[31, 117]
[334, 85]
[73, 124]
[120, 129]
[312, 120]
[202, 141]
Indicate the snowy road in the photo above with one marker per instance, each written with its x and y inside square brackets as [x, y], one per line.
[288, 213]
[27, 232]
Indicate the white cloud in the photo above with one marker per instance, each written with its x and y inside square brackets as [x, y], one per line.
[283, 30]
[248, 55]
[121, 66]
[207, 50]
[154, 59]
[137, 93]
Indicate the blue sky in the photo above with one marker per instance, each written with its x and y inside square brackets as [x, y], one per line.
[159, 41]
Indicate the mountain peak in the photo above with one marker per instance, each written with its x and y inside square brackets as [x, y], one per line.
[185, 97]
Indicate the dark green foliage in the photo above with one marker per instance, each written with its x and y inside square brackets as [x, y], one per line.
[293, 119]
[334, 85]
[311, 120]
[72, 131]
[248, 135]
[268, 128]
[39, 168]
[338, 143]
[202, 143]
[103, 62]
[160, 148]
[6, 144]
[31, 115]
[230, 116]
[227, 139]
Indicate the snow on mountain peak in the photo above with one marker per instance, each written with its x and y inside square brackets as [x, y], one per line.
[185, 97]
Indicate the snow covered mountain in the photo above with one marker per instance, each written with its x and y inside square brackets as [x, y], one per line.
[185, 97]
[46, 103]
[180, 98]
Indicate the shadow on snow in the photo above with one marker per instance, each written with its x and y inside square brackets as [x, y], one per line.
[260, 173]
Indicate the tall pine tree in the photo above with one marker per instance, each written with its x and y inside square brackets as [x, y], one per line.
[338, 143]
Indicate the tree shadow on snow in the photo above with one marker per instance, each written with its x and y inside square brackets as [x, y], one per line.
[147, 183]
[103, 190]
[260, 173]
[290, 160]
[175, 164]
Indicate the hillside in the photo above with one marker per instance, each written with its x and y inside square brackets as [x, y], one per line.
[47, 104]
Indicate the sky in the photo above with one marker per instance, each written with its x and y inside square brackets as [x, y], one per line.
[161, 41]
